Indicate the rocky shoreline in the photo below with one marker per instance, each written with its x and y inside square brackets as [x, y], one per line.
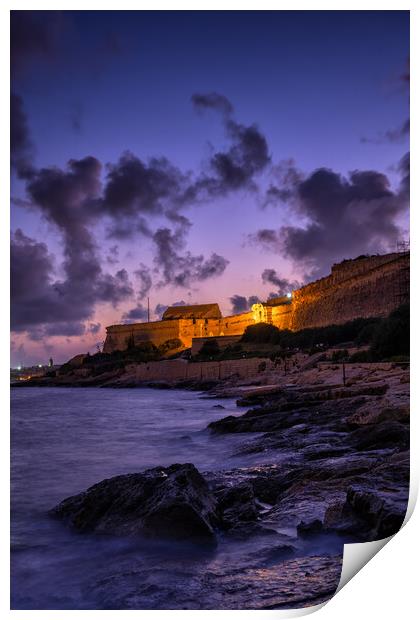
[334, 465]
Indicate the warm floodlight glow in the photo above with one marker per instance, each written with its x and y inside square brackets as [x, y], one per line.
[258, 313]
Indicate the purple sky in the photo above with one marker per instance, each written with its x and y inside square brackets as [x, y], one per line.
[213, 157]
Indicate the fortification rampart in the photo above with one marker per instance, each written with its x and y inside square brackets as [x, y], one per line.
[361, 288]
[181, 370]
[368, 287]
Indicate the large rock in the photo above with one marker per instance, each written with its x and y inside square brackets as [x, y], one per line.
[388, 434]
[237, 505]
[372, 514]
[374, 412]
[169, 502]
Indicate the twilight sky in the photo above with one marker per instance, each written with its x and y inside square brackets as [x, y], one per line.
[193, 157]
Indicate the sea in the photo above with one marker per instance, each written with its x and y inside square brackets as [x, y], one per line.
[64, 440]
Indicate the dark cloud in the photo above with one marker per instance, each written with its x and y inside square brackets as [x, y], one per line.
[253, 299]
[65, 198]
[113, 255]
[284, 285]
[33, 36]
[405, 75]
[139, 313]
[34, 299]
[21, 147]
[402, 132]
[42, 304]
[239, 304]
[286, 177]
[212, 101]
[74, 199]
[65, 328]
[404, 171]
[143, 275]
[237, 167]
[274, 195]
[179, 267]
[93, 328]
[112, 288]
[399, 134]
[160, 308]
[134, 189]
[242, 304]
[346, 216]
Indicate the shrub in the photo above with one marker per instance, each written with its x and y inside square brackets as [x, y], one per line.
[362, 331]
[360, 356]
[367, 333]
[392, 336]
[170, 345]
[339, 355]
[261, 333]
[210, 348]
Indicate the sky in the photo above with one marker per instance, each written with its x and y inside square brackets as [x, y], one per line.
[193, 157]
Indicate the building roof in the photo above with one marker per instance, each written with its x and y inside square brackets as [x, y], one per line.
[201, 311]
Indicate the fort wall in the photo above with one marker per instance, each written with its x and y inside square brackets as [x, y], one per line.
[361, 288]
[364, 288]
[157, 332]
[181, 370]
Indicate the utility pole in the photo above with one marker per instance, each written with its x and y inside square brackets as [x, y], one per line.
[148, 310]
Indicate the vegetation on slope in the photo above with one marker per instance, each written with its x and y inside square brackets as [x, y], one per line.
[387, 338]
[100, 363]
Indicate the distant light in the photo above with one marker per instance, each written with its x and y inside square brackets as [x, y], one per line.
[289, 295]
[19, 367]
[39, 365]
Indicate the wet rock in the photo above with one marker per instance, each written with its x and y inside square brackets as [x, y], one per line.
[323, 451]
[306, 529]
[168, 502]
[237, 504]
[259, 421]
[378, 513]
[267, 487]
[388, 434]
[374, 412]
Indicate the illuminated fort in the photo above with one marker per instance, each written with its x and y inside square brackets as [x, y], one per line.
[368, 286]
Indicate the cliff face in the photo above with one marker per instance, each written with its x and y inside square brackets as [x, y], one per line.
[362, 288]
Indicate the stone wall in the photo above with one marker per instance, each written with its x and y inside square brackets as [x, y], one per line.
[181, 370]
[365, 287]
[156, 332]
[368, 287]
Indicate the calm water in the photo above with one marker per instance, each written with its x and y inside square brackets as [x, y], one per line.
[64, 440]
